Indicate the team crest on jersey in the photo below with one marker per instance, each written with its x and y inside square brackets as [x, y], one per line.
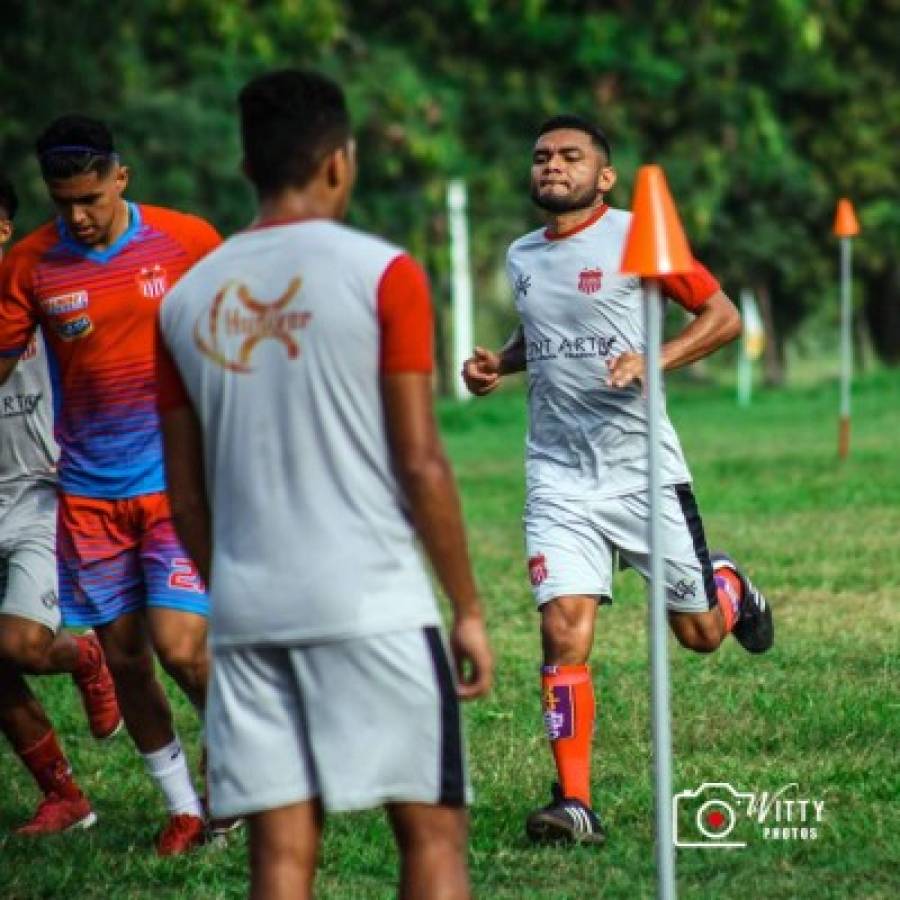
[589, 281]
[152, 281]
[79, 327]
[237, 322]
[65, 303]
[537, 569]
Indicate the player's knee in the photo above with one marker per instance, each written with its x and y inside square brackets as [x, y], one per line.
[698, 638]
[566, 641]
[185, 660]
[25, 646]
[128, 667]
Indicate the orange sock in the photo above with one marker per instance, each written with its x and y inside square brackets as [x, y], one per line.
[568, 701]
[729, 592]
[50, 768]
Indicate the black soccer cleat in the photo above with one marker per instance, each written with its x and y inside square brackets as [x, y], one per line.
[755, 627]
[565, 819]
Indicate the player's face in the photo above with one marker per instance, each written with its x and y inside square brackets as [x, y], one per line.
[90, 204]
[568, 172]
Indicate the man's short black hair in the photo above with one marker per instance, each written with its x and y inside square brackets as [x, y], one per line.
[75, 145]
[291, 119]
[9, 201]
[568, 120]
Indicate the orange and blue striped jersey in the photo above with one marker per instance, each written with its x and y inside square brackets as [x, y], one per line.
[98, 311]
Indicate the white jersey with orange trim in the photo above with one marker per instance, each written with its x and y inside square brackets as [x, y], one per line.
[280, 338]
[28, 450]
[586, 438]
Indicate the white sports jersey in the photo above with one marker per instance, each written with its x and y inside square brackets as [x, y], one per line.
[280, 337]
[586, 438]
[28, 451]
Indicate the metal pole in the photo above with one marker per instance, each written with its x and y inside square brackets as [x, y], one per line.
[745, 364]
[659, 664]
[846, 348]
[462, 282]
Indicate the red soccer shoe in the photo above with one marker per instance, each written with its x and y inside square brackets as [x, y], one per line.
[98, 693]
[56, 814]
[182, 834]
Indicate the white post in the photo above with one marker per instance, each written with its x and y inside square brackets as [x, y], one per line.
[659, 662]
[745, 363]
[846, 347]
[462, 282]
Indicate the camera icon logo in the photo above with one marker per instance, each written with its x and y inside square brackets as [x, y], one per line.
[706, 817]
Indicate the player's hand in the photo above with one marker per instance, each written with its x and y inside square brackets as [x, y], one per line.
[472, 655]
[481, 371]
[625, 369]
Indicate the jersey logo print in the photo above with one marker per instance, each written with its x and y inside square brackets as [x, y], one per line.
[152, 281]
[79, 327]
[523, 282]
[589, 281]
[537, 569]
[233, 335]
[65, 303]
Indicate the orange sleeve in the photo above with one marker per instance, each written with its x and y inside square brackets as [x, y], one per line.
[405, 318]
[690, 289]
[204, 236]
[170, 390]
[17, 316]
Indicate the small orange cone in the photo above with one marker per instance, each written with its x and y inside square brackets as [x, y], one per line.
[845, 222]
[656, 244]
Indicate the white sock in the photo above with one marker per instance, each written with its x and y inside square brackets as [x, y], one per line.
[168, 768]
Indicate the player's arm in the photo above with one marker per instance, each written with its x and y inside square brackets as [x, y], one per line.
[716, 322]
[427, 480]
[482, 371]
[17, 319]
[7, 365]
[183, 454]
[407, 359]
[183, 448]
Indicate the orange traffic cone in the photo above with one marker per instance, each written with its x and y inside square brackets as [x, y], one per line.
[845, 222]
[656, 244]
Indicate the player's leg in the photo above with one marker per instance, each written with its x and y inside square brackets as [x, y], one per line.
[31, 736]
[570, 568]
[27, 728]
[177, 605]
[255, 714]
[284, 849]
[432, 841]
[30, 638]
[101, 585]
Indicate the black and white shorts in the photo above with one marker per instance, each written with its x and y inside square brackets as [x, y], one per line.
[572, 546]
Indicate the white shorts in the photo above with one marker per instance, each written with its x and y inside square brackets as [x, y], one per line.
[358, 723]
[28, 576]
[572, 547]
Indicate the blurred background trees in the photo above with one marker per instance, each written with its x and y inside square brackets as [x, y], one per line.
[761, 113]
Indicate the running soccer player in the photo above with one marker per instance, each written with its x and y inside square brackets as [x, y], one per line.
[93, 279]
[30, 640]
[581, 339]
[306, 350]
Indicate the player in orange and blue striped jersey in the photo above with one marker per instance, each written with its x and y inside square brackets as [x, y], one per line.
[93, 279]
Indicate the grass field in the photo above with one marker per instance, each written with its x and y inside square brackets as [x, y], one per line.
[821, 710]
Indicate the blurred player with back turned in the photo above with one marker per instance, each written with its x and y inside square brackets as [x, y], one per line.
[306, 351]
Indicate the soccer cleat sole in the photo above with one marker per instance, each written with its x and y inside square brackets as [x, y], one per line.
[108, 737]
[87, 822]
[550, 830]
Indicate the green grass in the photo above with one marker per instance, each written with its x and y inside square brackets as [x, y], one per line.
[822, 709]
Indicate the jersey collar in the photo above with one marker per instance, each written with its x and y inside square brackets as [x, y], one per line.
[102, 256]
[594, 217]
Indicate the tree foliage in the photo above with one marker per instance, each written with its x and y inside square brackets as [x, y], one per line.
[761, 113]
